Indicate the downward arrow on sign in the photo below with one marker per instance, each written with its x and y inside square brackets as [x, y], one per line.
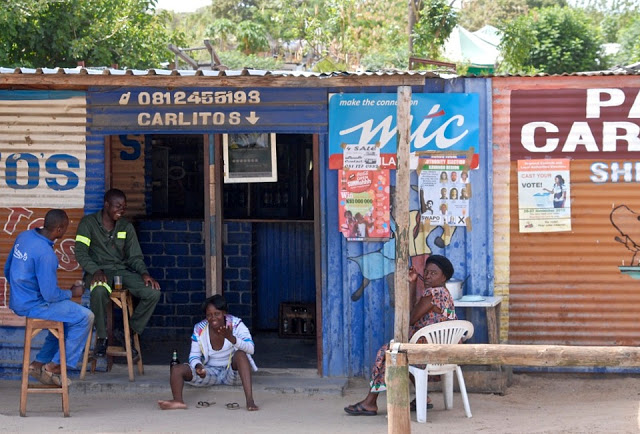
[252, 118]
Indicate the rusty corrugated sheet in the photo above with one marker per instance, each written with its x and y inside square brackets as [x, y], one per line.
[566, 287]
[42, 166]
[42, 144]
[15, 220]
[127, 171]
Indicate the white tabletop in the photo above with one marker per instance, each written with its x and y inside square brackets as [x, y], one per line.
[489, 301]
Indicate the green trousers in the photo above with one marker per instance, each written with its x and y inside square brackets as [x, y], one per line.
[146, 295]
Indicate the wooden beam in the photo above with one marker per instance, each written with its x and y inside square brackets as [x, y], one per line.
[178, 52]
[80, 82]
[401, 214]
[396, 377]
[523, 355]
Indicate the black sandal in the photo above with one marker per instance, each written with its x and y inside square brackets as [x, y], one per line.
[413, 405]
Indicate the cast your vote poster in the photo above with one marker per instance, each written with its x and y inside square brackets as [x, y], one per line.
[543, 195]
[364, 204]
[444, 190]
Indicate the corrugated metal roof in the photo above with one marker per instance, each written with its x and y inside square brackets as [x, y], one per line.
[286, 73]
[204, 72]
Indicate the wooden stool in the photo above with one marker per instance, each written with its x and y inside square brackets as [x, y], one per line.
[120, 298]
[33, 327]
[123, 299]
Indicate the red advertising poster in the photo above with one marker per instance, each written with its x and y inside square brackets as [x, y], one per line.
[364, 204]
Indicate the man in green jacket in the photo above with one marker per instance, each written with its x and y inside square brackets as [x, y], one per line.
[107, 246]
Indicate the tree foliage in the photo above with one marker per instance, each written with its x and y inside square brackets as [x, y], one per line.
[366, 34]
[40, 33]
[630, 43]
[434, 24]
[551, 40]
[479, 13]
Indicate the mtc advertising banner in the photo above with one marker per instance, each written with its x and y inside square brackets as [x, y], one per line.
[439, 122]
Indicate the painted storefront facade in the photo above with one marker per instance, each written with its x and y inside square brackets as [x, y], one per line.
[160, 139]
[576, 286]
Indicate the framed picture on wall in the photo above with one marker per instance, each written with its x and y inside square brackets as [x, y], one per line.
[250, 157]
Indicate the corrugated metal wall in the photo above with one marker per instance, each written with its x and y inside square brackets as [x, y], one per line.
[284, 264]
[354, 330]
[42, 166]
[566, 287]
[128, 171]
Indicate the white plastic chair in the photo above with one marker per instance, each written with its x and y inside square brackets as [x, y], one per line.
[446, 332]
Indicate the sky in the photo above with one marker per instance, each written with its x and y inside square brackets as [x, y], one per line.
[182, 5]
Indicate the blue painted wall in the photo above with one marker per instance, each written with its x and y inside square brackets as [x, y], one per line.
[354, 330]
[284, 255]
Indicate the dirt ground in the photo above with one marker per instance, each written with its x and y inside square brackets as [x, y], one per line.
[535, 403]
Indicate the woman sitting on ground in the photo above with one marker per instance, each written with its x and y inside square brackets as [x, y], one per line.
[434, 305]
[221, 348]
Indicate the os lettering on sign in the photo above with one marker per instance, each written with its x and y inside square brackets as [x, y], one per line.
[23, 171]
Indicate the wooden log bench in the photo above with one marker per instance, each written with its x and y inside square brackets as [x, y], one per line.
[488, 354]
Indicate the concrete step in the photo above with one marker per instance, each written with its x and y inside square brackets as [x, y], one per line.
[156, 380]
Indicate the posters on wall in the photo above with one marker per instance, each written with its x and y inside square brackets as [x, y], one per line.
[543, 195]
[444, 190]
[361, 157]
[364, 204]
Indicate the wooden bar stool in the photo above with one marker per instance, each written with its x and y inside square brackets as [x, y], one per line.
[123, 299]
[32, 328]
[119, 298]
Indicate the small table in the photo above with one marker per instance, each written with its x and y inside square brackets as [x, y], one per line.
[498, 377]
[491, 304]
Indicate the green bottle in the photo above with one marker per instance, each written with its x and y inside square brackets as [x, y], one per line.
[174, 358]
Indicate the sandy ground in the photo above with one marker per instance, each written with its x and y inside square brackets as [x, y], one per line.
[540, 403]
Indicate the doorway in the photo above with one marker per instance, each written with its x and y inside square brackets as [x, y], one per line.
[269, 249]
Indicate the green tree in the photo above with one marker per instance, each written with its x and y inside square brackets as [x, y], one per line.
[222, 31]
[40, 33]
[551, 40]
[546, 3]
[343, 30]
[611, 15]
[251, 37]
[234, 10]
[479, 13]
[435, 23]
[630, 43]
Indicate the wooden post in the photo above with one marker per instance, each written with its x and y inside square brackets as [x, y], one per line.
[397, 380]
[401, 213]
[523, 355]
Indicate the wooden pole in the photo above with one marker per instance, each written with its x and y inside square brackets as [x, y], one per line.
[523, 355]
[401, 214]
[397, 380]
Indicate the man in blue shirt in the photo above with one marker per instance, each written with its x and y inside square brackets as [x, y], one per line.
[31, 270]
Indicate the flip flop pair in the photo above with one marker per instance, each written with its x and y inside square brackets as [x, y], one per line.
[412, 405]
[359, 410]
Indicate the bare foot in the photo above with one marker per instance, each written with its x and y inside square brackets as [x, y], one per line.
[251, 406]
[172, 405]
